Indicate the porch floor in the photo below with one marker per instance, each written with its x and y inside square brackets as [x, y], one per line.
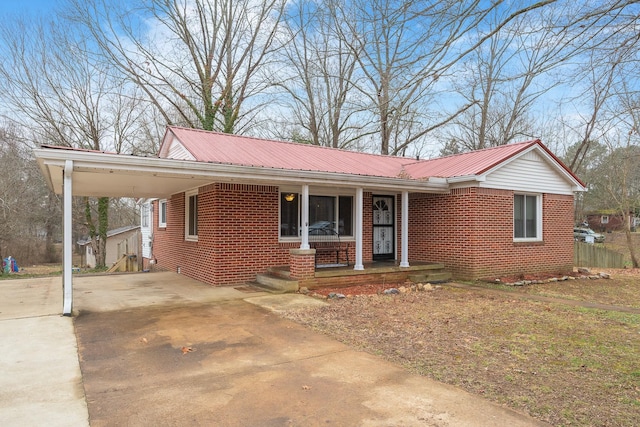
[278, 278]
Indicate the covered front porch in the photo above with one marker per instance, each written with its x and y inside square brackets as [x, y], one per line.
[281, 279]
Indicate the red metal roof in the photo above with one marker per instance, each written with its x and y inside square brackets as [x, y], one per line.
[467, 164]
[247, 151]
[238, 150]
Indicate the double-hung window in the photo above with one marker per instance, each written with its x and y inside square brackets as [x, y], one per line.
[191, 215]
[527, 217]
[326, 213]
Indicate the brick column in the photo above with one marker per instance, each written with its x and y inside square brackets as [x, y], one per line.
[302, 264]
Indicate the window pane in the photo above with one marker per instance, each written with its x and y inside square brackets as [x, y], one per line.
[144, 213]
[163, 213]
[518, 216]
[289, 214]
[322, 214]
[345, 216]
[193, 215]
[531, 216]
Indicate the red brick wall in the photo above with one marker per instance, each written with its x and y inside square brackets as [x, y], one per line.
[237, 235]
[470, 231]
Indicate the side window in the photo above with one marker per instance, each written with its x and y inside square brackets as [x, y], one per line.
[527, 217]
[162, 214]
[191, 215]
[144, 215]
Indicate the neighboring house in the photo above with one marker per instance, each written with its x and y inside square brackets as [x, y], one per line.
[120, 241]
[228, 207]
[607, 221]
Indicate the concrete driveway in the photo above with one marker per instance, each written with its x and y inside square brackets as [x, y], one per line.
[161, 349]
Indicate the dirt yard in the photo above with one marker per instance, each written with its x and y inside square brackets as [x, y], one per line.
[566, 365]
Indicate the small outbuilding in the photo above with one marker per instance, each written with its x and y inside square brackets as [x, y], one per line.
[120, 241]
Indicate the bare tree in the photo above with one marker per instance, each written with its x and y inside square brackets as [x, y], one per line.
[198, 61]
[67, 99]
[500, 76]
[28, 210]
[320, 86]
[611, 45]
[620, 181]
[407, 48]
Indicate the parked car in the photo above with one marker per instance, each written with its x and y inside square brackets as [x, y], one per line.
[580, 234]
[322, 228]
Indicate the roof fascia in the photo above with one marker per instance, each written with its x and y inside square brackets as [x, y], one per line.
[84, 161]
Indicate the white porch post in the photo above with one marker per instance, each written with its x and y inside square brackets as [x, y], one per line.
[67, 261]
[304, 244]
[359, 206]
[404, 261]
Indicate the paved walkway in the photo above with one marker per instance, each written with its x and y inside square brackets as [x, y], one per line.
[161, 349]
[40, 380]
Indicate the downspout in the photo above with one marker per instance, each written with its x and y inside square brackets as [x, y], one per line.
[67, 256]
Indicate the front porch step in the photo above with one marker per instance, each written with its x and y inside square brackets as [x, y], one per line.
[276, 284]
[431, 277]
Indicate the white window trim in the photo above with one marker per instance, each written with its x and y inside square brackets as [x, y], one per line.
[321, 193]
[539, 221]
[162, 224]
[604, 219]
[187, 236]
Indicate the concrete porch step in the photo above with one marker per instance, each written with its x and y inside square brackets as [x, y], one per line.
[281, 272]
[431, 277]
[275, 284]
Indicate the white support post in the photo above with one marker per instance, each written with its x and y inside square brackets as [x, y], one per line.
[304, 244]
[359, 207]
[404, 238]
[67, 260]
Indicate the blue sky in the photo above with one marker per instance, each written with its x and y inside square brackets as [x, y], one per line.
[26, 6]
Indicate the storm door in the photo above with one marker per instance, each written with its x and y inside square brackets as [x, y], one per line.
[383, 227]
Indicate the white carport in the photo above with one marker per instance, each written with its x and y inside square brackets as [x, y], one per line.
[74, 172]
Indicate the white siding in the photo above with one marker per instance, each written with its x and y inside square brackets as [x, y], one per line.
[178, 152]
[145, 228]
[530, 172]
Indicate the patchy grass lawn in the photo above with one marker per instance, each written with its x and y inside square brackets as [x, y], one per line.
[623, 291]
[34, 271]
[561, 364]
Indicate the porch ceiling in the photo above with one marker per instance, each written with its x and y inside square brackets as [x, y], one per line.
[100, 174]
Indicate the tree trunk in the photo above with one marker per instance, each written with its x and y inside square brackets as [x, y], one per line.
[103, 225]
[631, 246]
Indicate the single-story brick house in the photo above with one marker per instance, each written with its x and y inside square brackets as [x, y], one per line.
[228, 207]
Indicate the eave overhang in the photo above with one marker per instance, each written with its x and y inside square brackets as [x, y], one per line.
[115, 175]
